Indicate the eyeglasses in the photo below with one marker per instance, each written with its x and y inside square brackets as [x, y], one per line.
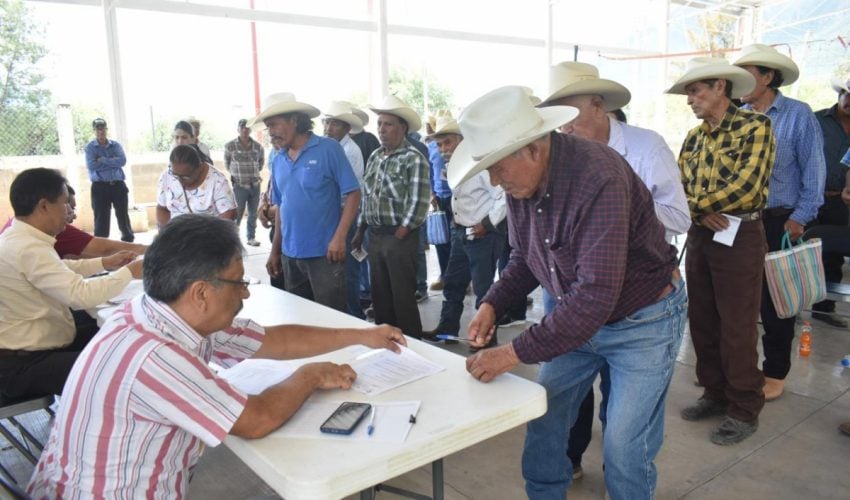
[184, 178]
[243, 283]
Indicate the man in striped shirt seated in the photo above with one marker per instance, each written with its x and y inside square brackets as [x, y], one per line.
[141, 401]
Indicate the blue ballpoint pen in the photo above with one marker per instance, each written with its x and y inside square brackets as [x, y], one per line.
[371, 428]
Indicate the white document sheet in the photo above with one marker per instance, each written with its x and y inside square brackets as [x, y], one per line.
[392, 422]
[727, 236]
[381, 370]
[253, 376]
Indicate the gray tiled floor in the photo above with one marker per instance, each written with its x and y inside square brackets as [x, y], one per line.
[796, 453]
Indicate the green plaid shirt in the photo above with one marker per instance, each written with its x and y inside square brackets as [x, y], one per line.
[396, 188]
[727, 169]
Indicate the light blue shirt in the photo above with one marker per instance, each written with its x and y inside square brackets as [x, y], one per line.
[309, 193]
[439, 182]
[799, 171]
[105, 161]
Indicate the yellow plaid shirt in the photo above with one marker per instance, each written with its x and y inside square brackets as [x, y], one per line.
[727, 169]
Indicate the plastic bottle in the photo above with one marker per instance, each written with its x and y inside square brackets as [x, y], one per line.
[845, 361]
[806, 339]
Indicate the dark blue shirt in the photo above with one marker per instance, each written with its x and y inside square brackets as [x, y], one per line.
[835, 144]
[105, 161]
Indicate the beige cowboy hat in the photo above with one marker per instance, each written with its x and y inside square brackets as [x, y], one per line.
[394, 106]
[575, 78]
[840, 85]
[341, 110]
[445, 124]
[364, 118]
[281, 103]
[497, 124]
[759, 54]
[709, 68]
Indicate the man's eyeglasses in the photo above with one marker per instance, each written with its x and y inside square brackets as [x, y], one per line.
[243, 283]
[184, 178]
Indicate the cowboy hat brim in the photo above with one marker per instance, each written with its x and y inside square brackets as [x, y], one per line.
[451, 128]
[281, 108]
[406, 114]
[463, 166]
[742, 81]
[839, 85]
[614, 95]
[349, 118]
[772, 60]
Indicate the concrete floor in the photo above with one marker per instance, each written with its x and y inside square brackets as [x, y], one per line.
[796, 453]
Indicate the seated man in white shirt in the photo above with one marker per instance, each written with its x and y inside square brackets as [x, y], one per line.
[39, 340]
[142, 401]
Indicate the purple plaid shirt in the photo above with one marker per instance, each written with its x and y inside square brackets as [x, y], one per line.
[590, 236]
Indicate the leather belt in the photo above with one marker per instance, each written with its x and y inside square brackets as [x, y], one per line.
[831, 194]
[676, 275]
[770, 213]
[748, 216]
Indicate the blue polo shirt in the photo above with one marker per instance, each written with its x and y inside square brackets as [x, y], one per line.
[309, 193]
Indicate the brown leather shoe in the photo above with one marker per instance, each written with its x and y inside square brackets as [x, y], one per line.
[773, 388]
[845, 428]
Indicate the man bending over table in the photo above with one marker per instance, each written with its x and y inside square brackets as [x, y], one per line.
[141, 401]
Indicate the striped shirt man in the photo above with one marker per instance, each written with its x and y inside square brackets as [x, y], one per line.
[139, 406]
[396, 188]
[726, 170]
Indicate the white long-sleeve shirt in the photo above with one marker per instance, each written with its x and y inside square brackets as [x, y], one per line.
[476, 199]
[652, 160]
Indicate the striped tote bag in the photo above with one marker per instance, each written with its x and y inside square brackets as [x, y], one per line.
[794, 276]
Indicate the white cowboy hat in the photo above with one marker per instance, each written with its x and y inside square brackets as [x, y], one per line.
[341, 110]
[359, 113]
[709, 68]
[759, 54]
[840, 85]
[574, 78]
[497, 124]
[280, 103]
[394, 106]
[445, 124]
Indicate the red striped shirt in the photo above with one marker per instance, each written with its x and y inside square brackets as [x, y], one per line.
[139, 405]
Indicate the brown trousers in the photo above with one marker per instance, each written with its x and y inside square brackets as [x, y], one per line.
[724, 290]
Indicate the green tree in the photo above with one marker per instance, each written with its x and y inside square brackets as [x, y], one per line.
[27, 120]
[714, 32]
[409, 86]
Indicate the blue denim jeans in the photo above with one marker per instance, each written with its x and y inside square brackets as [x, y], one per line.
[249, 196]
[640, 351]
[469, 260]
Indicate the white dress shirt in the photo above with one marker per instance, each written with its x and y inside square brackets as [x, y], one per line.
[652, 160]
[355, 157]
[477, 199]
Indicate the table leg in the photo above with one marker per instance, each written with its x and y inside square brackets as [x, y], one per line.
[367, 494]
[437, 478]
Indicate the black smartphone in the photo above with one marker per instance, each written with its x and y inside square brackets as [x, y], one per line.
[345, 418]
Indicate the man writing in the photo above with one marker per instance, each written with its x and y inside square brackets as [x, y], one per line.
[151, 400]
[584, 227]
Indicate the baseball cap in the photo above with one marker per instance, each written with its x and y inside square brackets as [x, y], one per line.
[242, 123]
[98, 123]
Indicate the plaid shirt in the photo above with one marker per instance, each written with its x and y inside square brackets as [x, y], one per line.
[727, 169]
[244, 164]
[396, 188]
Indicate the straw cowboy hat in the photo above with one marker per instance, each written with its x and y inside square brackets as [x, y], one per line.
[394, 106]
[709, 68]
[281, 103]
[497, 124]
[359, 113]
[574, 78]
[840, 85]
[759, 54]
[445, 124]
[341, 110]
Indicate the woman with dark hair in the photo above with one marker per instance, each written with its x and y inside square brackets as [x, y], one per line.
[192, 185]
[185, 134]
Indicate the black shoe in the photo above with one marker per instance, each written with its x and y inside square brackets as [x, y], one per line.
[733, 431]
[830, 319]
[421, 296]
[705, 408]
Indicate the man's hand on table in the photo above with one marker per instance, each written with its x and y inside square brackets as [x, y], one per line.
[487, 364]
[329, 375]
[383, 337]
